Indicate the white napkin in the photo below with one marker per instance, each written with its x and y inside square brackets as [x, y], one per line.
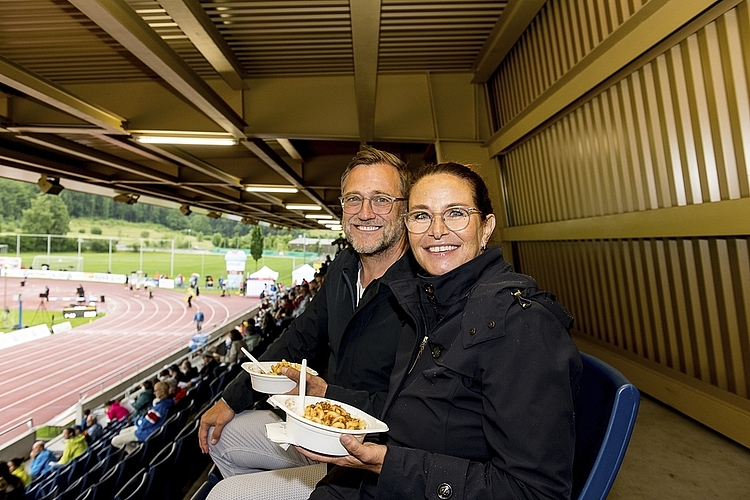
[276, 432]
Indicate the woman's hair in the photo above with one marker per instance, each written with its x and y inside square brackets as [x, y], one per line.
[479, 189]
[147, 384]
[110, 402]
[235, 335]
[371, 156]
[17, 462]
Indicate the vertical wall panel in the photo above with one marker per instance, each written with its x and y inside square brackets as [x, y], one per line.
[568, 29]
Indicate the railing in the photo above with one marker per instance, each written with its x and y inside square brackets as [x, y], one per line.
[129, 370]
[29, 422]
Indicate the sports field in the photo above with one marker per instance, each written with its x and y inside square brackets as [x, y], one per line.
[185, 263]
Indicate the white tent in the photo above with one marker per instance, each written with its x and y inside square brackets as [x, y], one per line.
[265, 273]
[305, 272]
[257, 281]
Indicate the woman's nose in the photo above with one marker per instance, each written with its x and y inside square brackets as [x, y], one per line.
[438, 227]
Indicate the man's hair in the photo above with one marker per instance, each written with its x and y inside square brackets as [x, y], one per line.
[164, 386]
[371, 156]
[147, 384]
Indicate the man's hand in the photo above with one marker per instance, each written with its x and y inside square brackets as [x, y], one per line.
[368, 456]
[316, 386]
[217, 417]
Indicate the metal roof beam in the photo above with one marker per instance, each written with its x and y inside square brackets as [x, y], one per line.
[50, 94]
[123, 24]
[365, 17]
[195, 23]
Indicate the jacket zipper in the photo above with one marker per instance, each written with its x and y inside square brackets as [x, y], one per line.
[419, 353]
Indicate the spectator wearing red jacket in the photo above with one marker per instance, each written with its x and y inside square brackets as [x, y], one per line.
[115, 411]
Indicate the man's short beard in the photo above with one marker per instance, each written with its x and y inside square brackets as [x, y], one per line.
[388, 239]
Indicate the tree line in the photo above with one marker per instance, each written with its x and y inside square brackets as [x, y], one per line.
[23, 208]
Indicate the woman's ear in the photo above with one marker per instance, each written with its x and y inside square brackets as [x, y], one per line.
[489, 226]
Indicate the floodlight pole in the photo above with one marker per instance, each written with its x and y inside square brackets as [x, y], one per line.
[171, 263]
[5, 287]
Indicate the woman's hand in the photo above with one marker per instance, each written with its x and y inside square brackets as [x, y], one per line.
[368, 456]
[316, 386]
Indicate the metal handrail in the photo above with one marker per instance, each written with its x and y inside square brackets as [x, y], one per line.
[83, 393]
[29, 422]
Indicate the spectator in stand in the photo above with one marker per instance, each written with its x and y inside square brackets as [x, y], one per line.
[176, 374]
[236, 344]
[85, 418]
[176, 391]
[189, 370]
[40, 459]
[93, 430]
[11, 487]
[147, 424]
[115, 411]
[209, 365]
[302, 299]
[15, 466]
[145, 398]
[75, 446]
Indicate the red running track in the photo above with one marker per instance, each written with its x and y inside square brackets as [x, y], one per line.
[43, 378]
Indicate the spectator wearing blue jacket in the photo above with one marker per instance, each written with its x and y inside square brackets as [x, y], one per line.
[148, 423]
[40, 459]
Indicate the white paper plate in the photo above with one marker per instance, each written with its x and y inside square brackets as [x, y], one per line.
[267, 383]
[317, 437]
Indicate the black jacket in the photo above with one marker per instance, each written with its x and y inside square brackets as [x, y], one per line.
[486, 410]
[357, 344]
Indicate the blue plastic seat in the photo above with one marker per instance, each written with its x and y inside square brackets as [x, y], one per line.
[605, 413]
[202, 492]
[161, 481]
[135, 488]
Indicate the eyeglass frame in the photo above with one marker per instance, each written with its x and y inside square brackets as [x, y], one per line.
[433, 215]
[393, 199]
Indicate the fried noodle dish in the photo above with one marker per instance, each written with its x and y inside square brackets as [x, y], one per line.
[333, 415]
[276, 369]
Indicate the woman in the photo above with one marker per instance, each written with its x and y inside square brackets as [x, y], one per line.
[115, 411]
[234, 352]
[481, 399]
[11, 487]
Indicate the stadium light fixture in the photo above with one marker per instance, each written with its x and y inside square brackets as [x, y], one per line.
[301, 206]
[261, 188]
[189, 141]
[318, 216]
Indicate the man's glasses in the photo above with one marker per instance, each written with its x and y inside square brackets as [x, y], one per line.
[454, 218]
[381, 204]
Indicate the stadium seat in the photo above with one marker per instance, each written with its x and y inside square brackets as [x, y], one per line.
[161, 483]
[214, 474]
[152, 445]
[605, 411]
[202, 492]
[87, 494]
[130, 464]
[72, 491]
[171, 428]
[112, 456]
[93, 475]
[135, 488]
[190, 461]
[105, 488]
[49, 495]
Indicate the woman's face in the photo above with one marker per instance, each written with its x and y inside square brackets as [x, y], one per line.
[439, 250]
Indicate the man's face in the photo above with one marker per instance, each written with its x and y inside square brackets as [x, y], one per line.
[161, 391]
[370, 233]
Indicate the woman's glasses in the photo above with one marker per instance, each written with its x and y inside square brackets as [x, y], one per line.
[454, 218]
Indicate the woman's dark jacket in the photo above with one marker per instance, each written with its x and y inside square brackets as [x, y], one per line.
[486, 409]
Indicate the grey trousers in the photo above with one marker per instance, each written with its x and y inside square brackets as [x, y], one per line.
[283, 484]
[244, 447]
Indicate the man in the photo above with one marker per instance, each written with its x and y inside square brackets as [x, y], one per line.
[75, 445]
[198, 318]
[40, 459]
[351, 327]
[94, 429]
[147, 424]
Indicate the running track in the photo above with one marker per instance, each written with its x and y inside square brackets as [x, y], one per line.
[43, 378]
